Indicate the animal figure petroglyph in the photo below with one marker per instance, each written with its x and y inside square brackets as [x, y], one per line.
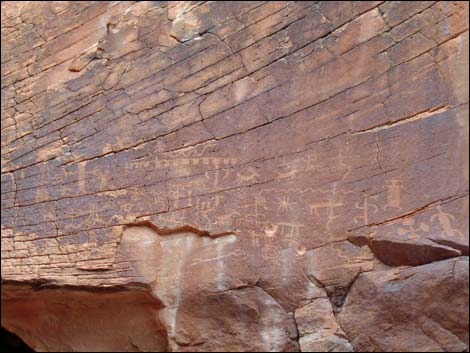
[411, 230]
[249, 176]
[286, 171]
[205, 161]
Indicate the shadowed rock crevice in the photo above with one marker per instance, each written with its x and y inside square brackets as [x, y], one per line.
[12, 343]
[176, 230]
[103, 320]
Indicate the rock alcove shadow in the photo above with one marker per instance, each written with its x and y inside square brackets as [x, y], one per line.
[10, 342]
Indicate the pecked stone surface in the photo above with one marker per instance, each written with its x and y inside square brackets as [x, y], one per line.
[235, 176]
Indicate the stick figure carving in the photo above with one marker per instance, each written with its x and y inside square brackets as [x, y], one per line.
[366, 207]
[445, 220]
[393, 194]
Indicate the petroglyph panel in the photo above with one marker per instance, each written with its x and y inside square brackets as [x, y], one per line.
[239, 162]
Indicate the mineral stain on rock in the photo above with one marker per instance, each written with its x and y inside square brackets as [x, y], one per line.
[235, 176]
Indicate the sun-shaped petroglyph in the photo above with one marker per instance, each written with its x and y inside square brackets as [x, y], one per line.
[285, 204]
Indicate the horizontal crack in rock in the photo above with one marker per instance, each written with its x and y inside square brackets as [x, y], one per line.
[181, 229]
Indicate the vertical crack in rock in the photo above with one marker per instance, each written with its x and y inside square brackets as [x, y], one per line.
[377, 155]
[319, 330]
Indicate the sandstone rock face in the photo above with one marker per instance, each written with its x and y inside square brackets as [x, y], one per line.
[235, 176]
[420, 309]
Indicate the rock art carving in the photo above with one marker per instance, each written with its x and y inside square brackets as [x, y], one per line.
[393, 194]
[445, 220]
[235, 176]
[367, 206]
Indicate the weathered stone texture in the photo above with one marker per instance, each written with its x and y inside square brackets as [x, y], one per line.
[245, 176]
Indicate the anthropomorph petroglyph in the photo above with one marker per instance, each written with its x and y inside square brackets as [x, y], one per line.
[329, 206]
[270, 249]
[366, 207]
[290, 232]
[393, 194]
[445, 220]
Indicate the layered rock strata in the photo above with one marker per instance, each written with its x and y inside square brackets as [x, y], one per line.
[235, 176]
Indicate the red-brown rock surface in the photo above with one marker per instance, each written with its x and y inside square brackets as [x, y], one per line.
[242, 176]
